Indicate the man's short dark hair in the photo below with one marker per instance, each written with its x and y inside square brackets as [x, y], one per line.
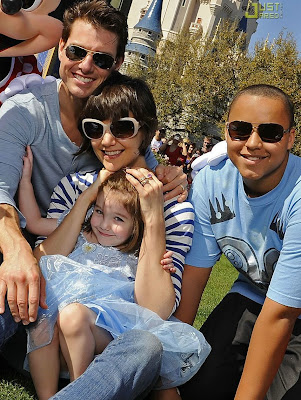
[100, 15]
[271, 92]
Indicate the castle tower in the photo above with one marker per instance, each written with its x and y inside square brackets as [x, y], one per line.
[146, 34]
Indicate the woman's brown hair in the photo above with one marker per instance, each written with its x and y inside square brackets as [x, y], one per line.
[114, 99]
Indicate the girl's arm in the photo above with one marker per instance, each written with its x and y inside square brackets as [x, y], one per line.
[28, 204]
[153, 286]
[63, 239]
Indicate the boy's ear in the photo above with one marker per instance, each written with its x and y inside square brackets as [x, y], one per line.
[291, 140]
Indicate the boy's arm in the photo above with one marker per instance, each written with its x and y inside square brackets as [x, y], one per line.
[193, 284]
[268, 343]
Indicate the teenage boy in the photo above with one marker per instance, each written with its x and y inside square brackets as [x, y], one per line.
[249, 208]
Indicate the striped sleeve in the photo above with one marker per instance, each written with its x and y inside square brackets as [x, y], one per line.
[179, 225]
[67, 191]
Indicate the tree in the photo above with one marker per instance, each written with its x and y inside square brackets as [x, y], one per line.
[194, 79]
[164, 75]
[211, 78]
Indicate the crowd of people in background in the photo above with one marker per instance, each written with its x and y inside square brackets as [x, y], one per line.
[180, 151]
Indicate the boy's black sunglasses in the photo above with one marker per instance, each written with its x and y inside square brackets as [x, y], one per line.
[270, 133]
[101, 60]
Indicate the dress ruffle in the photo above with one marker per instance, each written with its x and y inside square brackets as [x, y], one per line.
[110, 293]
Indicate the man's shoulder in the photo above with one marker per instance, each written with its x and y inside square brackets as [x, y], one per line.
[34, 95]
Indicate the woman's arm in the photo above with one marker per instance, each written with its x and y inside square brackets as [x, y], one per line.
[184, 149]
[268, 343]
[193, 284]
[153, 285]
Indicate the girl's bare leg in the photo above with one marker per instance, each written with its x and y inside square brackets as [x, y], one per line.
[44, 365]
[80, 338]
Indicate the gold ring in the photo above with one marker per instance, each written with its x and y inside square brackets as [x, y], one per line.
[183, 187]
[144, 181]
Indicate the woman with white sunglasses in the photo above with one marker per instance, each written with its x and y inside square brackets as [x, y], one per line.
[118, 125]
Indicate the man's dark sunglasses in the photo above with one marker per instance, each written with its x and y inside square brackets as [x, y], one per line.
[101, 60]
[270, 133]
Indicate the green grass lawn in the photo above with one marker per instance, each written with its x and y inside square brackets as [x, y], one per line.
[222, 276]
[14, 386]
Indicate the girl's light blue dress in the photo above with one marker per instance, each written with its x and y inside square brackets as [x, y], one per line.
[102, 278]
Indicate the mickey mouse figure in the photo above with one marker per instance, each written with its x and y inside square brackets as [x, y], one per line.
[27, 27]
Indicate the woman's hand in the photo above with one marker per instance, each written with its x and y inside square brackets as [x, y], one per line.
[150, 193]
[174, 182]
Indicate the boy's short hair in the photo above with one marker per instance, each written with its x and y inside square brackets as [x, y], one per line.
[271, 92]
[99, 14]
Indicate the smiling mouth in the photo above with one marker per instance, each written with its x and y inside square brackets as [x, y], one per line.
[104, 234]
[253, 158]
[112, 153]
[83, 79]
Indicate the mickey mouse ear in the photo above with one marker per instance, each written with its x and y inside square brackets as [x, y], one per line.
[11, 7]
[59, 11]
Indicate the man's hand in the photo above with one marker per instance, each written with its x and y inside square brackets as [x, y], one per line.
[174, 182]
[20, 280]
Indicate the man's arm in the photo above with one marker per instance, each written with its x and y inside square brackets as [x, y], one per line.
[268, 343]
[193, 284]
[19, 272]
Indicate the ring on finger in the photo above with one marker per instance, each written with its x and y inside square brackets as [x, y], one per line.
[182, 187]
[144, 181]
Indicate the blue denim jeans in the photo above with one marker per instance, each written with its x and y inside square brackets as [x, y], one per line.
[7, 325]
[127, 369]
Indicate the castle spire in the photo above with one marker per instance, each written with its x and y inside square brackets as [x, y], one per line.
[152, 19]
[146, 35]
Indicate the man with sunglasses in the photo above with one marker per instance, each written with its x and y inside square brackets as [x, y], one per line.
[46, 118]
[248, 207]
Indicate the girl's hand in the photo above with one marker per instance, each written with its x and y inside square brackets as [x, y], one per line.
[150, 191]
[167, 262]
[91, 192]
[27, 166]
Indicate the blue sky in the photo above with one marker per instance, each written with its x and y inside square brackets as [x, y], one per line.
[290, 22]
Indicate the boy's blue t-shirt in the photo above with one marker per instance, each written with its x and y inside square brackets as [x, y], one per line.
[260, 236]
